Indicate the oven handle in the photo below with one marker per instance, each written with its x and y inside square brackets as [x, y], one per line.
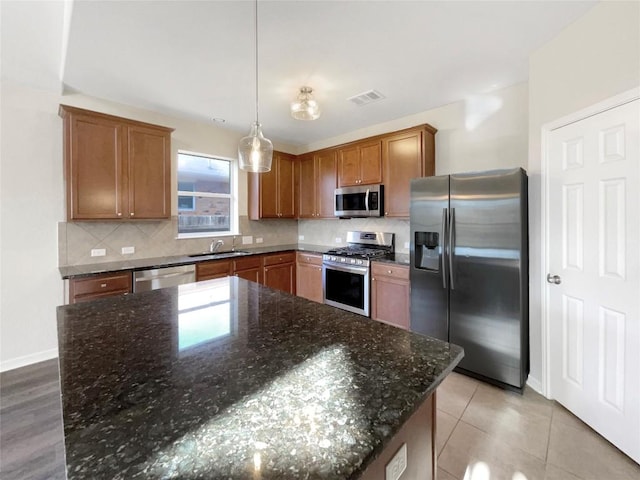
[345, 268]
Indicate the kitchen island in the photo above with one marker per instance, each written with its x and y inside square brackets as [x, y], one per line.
[230, 379]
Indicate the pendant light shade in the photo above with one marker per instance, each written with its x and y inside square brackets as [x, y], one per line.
[304, 107]
[255, 152]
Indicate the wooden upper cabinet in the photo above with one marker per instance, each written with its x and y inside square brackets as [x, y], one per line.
[317, 184]
[405, 155]
[115, 168]
[272, 194]
[360, 163]
[149, 173]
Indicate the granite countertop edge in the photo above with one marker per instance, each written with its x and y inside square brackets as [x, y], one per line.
[87, 270]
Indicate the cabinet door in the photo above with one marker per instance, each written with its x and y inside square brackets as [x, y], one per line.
[268, 191]
[280, 277]
[94, 168]
[326, 183]
[286, 186]
[309, 281]
[149, 160]
[348, 166]
[253, 275]
[371, 162]
[212, 269]
[402, 160]
[307, 191]
[390, 294]
[390, 301]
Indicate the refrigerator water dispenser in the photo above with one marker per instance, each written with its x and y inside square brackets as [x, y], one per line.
[427, 254]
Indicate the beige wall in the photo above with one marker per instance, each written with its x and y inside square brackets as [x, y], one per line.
[31, 204]
[484, 131]
[595, 58]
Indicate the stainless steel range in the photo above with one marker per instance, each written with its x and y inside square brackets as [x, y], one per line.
[346, 277]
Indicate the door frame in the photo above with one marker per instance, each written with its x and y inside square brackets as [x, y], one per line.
[608, 104]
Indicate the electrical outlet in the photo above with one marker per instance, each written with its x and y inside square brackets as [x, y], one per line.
[406, 244]
[338, 239]
[247, 240]
[98, 252]
[300, 238]
[258, 239]
[397, 464]
[128, 250]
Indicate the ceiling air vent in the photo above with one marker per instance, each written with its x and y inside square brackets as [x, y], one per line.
[366, 97]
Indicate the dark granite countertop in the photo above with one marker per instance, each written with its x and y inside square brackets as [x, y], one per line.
[77, 271]
[230, 379]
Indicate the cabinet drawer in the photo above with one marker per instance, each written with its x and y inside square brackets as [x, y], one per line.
[99, 284]
[275, 259]
[390, 270]
[217, 267]
[247, 263]
[310, 258]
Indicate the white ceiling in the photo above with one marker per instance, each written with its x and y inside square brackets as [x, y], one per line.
[196, 58]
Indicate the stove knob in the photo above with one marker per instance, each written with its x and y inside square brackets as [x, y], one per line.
[333, 259]
[343, 259]
[353, 260]
[360, 262]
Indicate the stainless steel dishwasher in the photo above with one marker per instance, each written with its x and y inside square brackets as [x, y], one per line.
[145, 280]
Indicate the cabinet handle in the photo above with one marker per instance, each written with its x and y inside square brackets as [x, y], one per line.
[132, 214]
[119, 214]
[389, 271]
[103, 285]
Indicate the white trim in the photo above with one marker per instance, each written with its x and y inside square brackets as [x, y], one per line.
[544, 383]
[534, 384]
[14, 363]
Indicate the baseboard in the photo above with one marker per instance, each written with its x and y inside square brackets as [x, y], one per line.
[535, 384]
[28, 360]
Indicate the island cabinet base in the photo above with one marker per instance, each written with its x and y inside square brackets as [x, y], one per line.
[419, 434]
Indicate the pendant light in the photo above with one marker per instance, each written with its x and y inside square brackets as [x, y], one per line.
[255, 152]
[304, 107]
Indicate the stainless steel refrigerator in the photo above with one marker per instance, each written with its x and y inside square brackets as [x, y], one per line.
[469, 269]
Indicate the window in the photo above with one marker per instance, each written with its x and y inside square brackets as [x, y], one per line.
[206, 195]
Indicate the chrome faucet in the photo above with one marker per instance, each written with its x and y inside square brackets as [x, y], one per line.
[215, 245]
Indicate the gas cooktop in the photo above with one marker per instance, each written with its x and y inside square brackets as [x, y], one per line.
[361, 247]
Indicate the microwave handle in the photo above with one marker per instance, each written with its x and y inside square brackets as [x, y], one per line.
[366, 201]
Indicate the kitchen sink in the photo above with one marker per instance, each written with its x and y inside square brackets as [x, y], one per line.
[235, 253]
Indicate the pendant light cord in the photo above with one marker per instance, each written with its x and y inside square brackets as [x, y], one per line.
[256, 25]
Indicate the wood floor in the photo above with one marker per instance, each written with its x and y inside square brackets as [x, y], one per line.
[31, 438]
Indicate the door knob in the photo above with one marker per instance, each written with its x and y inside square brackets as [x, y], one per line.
[554, 279]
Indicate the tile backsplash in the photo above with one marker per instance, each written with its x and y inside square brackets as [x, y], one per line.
[158, 238]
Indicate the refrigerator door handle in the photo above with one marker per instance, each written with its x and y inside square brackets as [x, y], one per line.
[443, 260]
[452, 244]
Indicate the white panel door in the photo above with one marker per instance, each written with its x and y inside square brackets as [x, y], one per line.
[594, 272]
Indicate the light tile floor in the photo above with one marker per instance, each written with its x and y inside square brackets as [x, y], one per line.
[486, 433]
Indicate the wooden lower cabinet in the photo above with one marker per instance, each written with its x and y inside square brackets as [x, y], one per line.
[99, 286]
[280, 271]
[249, 268]
[309, 276]
[213, 269]
[390, 294]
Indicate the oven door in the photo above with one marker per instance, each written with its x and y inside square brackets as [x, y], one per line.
[346, 287]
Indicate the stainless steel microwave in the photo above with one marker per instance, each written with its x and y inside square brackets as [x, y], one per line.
[359, 201]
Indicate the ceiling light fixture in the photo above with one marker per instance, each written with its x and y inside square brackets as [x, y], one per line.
[255, 152]
[304, 107]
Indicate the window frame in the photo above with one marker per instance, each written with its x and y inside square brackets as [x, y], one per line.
[232, 196]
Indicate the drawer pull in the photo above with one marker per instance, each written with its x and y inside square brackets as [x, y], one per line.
[103, 285]
[389, 271]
